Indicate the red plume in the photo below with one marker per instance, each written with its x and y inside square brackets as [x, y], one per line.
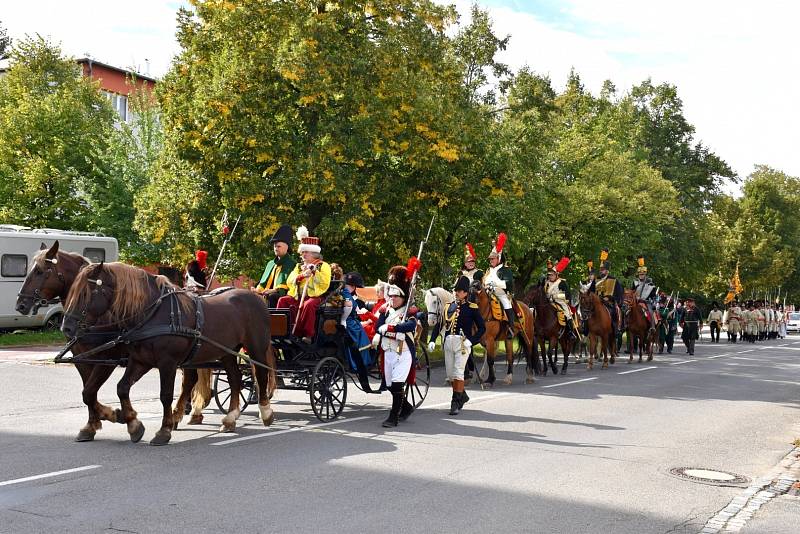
[562, 264]
[201, 256]
[413, 266]
[501, 242]
[471, 251]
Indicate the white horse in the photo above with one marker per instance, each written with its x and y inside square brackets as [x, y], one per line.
[437, 300]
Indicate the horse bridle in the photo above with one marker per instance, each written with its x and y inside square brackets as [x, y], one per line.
[36, 296]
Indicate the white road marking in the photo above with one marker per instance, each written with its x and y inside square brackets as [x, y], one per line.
[717, 356]
[570, 382]
[743, 351]
[48, 475]
[785, 348]
[289, 430]
[684, 361]
[637, 370]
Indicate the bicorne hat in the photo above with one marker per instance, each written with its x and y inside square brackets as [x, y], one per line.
[354, 279]
[283, 235]
[462, 284]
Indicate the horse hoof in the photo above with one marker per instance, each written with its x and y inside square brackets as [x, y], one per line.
[161, 438]
[649, 358]
[530, 380]
[508, 380]
[137, 434]
[85, 435]
[269, 420]
[196, 419]
[228, 427]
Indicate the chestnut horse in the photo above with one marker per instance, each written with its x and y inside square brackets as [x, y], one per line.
[48, 282]
[637, 326]
[548, 330]
[157, 317]
[598, 322]
[497, 331]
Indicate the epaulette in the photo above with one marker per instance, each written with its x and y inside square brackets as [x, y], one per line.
[473, 306]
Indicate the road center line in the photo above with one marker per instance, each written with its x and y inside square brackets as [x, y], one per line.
[48, 475]
[743, 351]
[637, 370]
[268, 434]
[717, 356]
[570, 382]
[684, 361]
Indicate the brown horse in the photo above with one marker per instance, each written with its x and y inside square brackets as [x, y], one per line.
[598, 322]
[49, 282]
[154, 312]
[548, 330]
[637, 326]
[497, 331]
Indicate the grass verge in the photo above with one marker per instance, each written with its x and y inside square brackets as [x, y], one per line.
[28, 338]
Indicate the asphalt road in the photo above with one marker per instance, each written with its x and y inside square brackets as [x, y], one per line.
[588, 452]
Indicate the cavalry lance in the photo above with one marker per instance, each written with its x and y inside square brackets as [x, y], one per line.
[414, 276]
[224, 244]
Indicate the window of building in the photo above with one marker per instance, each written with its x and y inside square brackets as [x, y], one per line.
[94, 255]
[14, 265]
[119, 103]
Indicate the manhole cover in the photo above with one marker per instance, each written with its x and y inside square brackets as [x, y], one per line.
[709, 476]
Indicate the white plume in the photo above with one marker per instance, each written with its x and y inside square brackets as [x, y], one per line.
[301, 233]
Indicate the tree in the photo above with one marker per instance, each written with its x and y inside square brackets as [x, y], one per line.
[348, 117]
[54, 127]
[5, 43]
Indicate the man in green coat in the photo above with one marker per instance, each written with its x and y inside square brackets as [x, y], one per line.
[272, 285]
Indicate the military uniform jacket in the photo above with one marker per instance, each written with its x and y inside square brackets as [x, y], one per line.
[610, 288]
[276, 274]
[462, 319]
[475, 275]
[691, 323]
[644, 290]
[557, 290]
[502, 273]
[399, 334]
[734, 314]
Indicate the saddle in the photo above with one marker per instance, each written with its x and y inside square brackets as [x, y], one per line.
[499, 315]
[562, 319]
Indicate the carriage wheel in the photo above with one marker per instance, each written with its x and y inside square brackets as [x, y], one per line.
[328, 390]
[222, 390]
[417, 392]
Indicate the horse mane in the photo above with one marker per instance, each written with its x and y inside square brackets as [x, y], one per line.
[444, 295]
[131, 301]
[40, 256]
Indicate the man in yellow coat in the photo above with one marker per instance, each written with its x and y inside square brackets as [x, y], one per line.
[308, 281]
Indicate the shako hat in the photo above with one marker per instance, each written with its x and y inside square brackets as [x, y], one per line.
[283, 235]
[590, 266]
[642, 269]
[462, 284]
[604, 263]
[307, 243]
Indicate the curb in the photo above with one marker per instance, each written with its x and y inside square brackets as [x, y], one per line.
[782, 479]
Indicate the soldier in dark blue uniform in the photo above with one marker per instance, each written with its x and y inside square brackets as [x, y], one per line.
[463, 328]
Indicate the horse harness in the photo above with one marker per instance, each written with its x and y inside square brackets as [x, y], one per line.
[36, 296]
[138, 333]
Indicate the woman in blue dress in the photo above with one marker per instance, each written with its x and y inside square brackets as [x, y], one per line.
[360, 346]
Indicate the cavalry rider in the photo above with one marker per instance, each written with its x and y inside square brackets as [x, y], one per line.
[395, 336]
[500, 280]
[307, 282]
[195, 277]
[645, 291]
[463, 328]
[610, 292]
[557, 290]
[469, 267]
[273, 283]
[714, 321]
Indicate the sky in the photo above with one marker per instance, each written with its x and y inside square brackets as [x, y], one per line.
[735, 63]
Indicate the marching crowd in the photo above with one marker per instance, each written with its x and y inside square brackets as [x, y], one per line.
[389, 324]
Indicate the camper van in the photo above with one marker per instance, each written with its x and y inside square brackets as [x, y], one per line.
[18, 246]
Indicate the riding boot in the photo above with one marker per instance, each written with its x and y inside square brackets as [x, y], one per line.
[455, 403]
[512, 319]
[397, 403]
[464, 399]
[406, 410]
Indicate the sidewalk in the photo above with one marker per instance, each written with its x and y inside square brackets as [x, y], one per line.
[29, 354]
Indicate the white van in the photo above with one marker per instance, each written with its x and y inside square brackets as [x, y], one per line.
[18, 246]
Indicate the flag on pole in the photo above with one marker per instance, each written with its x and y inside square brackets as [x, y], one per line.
[735, 287]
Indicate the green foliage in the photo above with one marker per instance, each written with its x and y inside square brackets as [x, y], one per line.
[54, 127]
[5, 43]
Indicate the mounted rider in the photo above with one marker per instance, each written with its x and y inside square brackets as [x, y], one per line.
[557, 291]
[469, 267]
[499, 280]
[645, 292]
[609, 290]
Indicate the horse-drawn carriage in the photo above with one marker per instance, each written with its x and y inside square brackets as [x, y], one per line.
[323, 366]
[122, 316]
